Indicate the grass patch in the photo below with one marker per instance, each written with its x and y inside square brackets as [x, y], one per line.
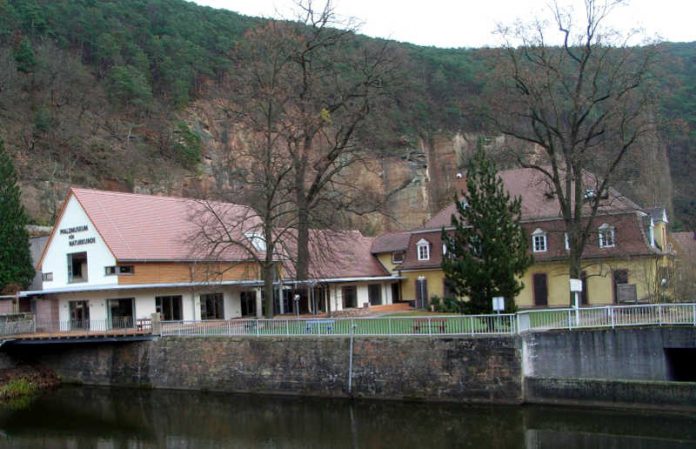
[18, 387]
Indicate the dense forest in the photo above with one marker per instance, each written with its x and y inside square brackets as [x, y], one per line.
[111, 94]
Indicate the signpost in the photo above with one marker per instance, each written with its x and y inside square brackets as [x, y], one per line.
[498, 304]
[576, 289]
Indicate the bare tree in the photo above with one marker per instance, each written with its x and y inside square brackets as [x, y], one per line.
[583, 105]
[324, 88]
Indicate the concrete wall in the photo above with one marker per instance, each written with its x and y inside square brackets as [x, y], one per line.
[604, 354]
[445, 369]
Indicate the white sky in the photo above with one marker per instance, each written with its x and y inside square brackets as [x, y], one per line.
[470, 23]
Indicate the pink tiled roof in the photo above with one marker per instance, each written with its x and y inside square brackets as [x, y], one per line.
[157, 228]
[393, 241]
[338, 254]
[686, 243]
[537, 201]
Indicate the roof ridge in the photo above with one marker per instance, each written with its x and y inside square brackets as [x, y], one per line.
[147, 195]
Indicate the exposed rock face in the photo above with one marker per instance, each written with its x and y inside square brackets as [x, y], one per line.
[413, 182]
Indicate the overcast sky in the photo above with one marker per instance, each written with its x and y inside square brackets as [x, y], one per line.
[470, 23]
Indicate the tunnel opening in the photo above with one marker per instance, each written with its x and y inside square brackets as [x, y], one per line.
[681, 364]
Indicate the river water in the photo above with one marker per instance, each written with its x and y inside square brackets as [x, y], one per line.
[103, 418]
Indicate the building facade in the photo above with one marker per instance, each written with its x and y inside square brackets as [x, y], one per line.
[114, 259]
[625, 258]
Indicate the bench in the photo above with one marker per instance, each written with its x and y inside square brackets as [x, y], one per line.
[317, 326]
[436, 324]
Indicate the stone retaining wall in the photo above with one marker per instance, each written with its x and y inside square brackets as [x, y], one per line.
[438, 369]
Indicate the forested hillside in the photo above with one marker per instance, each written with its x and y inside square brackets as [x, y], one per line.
[132, 94]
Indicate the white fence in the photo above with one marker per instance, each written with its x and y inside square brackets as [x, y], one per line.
[607, 317]
[429, 325]
[379, 326]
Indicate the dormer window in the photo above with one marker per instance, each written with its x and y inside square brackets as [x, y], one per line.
[397, 257]
[651, 233]
[257, 241]
[423, 249]
[607, 236]
[539, 243]
[566, 241]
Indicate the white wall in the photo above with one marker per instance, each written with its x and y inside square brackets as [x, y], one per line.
[98, 255]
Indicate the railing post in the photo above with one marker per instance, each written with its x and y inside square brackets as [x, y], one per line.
[570, 320]
[257, 328]
[287, 327]
[611, 314]
[694, 313]
[389, 326]
[430, 327]
[659, 314]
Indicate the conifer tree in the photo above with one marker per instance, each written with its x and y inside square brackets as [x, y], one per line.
[486, 251]
[16, 270]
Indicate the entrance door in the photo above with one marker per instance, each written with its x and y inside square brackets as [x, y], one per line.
[248, 300]
[421, 293]
[619, 277]
[79, 314]
[121, 312]
[374, 293]
[541, 291]
[169, 307]
[396, 292]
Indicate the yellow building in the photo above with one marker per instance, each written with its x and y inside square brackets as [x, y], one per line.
[624, 261]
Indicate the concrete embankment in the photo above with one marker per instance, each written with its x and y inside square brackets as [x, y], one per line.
[628, 367]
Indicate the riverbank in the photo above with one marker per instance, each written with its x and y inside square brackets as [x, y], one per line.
[24, 380]
[646, 368]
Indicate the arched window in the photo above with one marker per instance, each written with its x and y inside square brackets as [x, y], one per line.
[423, 249]
[607, 236]
[539, 242]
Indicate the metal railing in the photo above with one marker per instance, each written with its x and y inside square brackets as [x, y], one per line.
[384, 326]
[607, 317]
[116, 325]
[432, 325]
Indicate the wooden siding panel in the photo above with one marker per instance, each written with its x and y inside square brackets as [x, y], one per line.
[159, 273]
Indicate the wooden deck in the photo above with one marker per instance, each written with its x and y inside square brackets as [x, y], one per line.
[79, 336]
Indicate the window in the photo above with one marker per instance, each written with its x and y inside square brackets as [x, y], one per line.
[212, 306]
[350, 297]
[48, 277]
[169, 307]
[118, 269]
[397, 257]
[607, 236]
[257, 240]
[567, 241]
[539, 244]
[77, 267]
[423, 248]
[374, 293]
[248, 300]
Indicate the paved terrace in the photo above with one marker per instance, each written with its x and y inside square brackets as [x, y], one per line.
[386, 321]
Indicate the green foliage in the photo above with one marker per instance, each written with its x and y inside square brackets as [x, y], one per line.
[18, 387]
[447, 305]
[173, 44]
[487, 250]
[16, 270]
[187, 145]
[129, 86]
[43, 120]
[24, 57]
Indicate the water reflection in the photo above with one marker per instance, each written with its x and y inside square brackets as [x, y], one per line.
[76, 418]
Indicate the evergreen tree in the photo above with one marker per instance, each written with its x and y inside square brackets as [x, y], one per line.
[16, 270]
[486, 252]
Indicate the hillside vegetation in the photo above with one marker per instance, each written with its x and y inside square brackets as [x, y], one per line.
[110, 93]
